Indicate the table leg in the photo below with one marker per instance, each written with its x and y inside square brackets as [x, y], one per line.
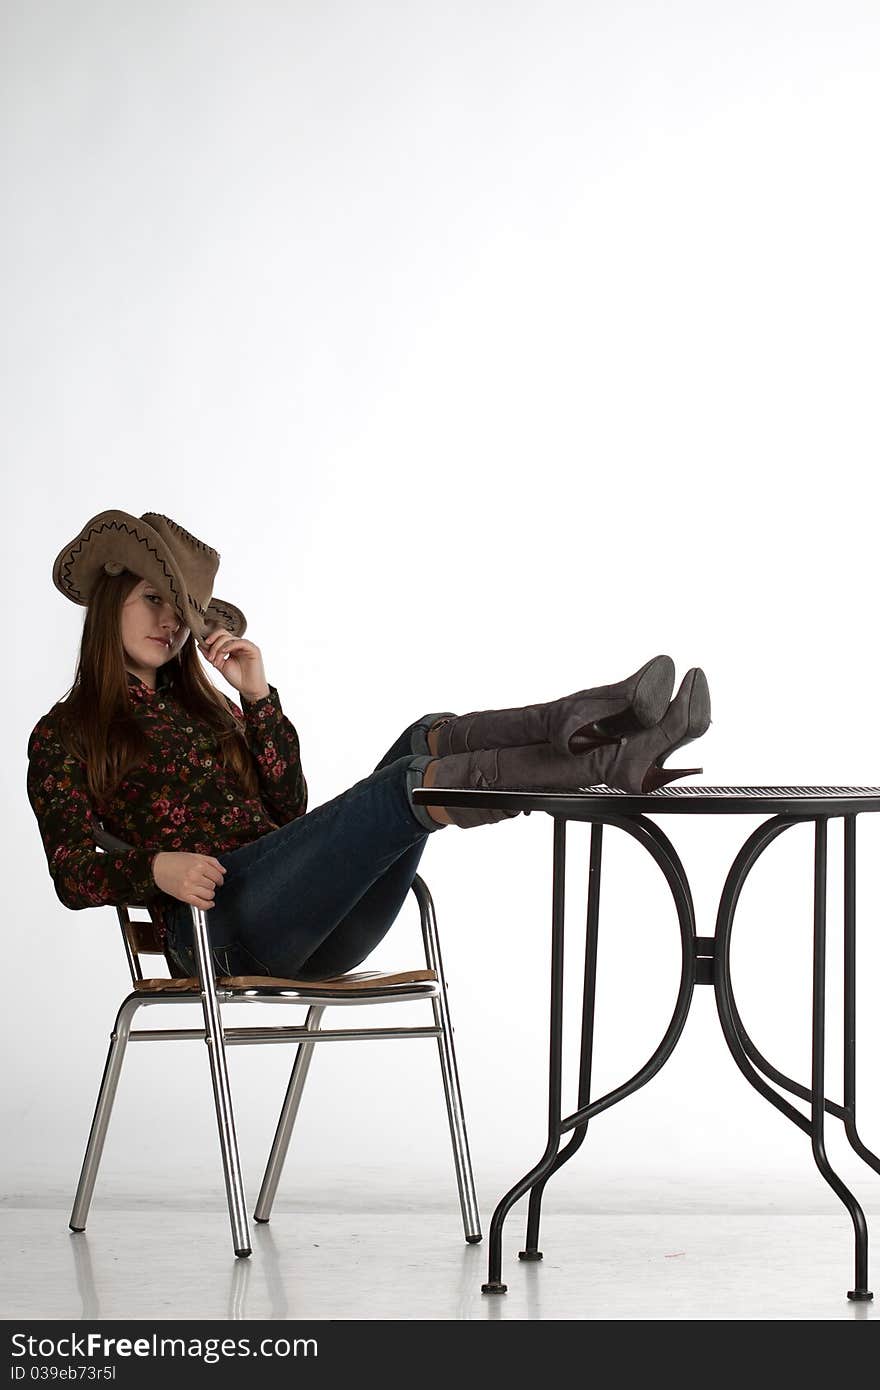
[740, 1045]
[662, 851]
[849, 994]
[531, 1251]
[861, 1291]
[494, 1284]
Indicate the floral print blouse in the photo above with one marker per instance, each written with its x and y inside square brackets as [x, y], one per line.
[179, 799]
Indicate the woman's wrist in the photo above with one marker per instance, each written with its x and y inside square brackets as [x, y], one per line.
[254, 697]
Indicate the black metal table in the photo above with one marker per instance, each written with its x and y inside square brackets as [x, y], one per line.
[705, 961]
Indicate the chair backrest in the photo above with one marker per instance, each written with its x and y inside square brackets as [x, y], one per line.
[138, 936]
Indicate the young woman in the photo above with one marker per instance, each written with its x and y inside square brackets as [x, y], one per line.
[212, 797]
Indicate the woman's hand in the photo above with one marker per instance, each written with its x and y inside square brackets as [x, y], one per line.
[240, 661]
[191, 878]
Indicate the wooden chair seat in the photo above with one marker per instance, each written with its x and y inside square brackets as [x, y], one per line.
[340, 984]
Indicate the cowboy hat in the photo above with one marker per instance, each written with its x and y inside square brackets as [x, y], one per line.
[154, 547]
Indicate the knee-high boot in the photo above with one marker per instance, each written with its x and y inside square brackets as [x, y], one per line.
[571, 724]
[633, 764]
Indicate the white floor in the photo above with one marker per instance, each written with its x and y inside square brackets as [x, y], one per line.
[163, 1265]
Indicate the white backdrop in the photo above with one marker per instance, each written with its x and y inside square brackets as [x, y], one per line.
[496, 348]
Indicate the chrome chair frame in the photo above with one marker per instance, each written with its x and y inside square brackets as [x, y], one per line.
[354, 989]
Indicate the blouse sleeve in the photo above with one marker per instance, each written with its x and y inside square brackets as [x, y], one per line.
[83, 875]
[275, 745]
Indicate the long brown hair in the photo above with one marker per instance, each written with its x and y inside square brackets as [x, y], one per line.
[96, 722]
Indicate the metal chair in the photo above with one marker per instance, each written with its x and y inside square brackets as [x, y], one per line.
[357, 988]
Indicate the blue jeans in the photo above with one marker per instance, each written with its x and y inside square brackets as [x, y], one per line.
[313, 898]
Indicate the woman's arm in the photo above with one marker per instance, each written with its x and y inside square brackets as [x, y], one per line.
[274, 743]
[83, 875]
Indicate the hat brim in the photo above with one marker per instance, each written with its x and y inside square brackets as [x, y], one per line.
[116, 537]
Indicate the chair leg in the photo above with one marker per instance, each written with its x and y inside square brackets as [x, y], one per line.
[454, 1108]
[241, 1239]
[289, 1109]
[101, 1118]
[464, 1172]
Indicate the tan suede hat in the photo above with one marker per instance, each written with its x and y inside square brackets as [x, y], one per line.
[154, 547]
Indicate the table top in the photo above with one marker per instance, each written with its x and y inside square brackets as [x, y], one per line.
[692, 799]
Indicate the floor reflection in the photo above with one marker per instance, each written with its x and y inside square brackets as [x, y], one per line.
[169, 1266]
[257, 1279]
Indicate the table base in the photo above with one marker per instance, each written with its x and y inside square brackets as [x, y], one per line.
[705, 961]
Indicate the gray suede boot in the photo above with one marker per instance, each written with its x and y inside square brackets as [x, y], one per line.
[572, 724]
[634, 764]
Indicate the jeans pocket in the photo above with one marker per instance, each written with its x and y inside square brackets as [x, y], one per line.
[222, 964]
[233, 958]
[225, 959]
[236, 959]
[181, 958]
[247, 962]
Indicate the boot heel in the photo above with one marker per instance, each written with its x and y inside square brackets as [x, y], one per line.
[658, 776]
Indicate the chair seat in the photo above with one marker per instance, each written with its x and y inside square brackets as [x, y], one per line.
[342, 984]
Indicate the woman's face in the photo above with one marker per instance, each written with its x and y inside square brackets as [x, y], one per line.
[146, 617]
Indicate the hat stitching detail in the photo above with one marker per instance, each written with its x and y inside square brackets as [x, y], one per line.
[193, 540]
[223, 611]
[112, 526]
